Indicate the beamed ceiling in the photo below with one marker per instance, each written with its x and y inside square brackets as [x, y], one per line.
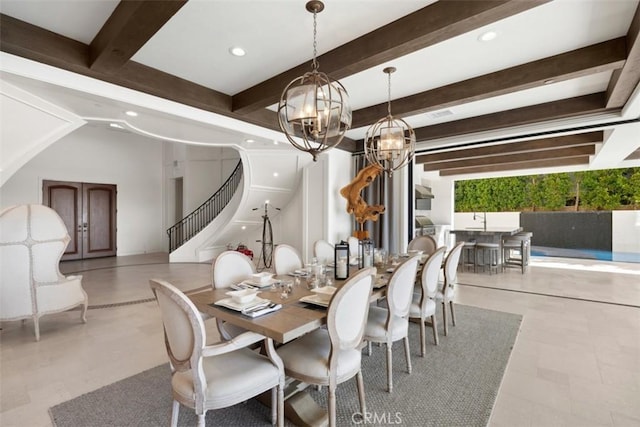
[550, 91]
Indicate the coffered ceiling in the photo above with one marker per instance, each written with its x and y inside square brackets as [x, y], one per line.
[558, 85]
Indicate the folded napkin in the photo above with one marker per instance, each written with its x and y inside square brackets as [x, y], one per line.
[261, 310]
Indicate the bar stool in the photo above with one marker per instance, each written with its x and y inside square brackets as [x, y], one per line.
[490, 252]
[468, 256]
[516, 251]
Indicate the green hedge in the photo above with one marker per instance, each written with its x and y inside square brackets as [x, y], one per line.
[608, 189]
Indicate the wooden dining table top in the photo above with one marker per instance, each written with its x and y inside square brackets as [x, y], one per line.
[293, 320]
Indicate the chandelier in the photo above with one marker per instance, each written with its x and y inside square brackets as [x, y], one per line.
[314, 108]
[390, 142]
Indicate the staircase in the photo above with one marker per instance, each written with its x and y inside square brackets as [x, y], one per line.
[261, 175]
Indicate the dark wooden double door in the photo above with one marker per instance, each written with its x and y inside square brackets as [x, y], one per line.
[89, 212]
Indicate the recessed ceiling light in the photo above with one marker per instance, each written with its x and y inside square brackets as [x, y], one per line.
[249, 140]
[487, 36]
[237, 51]
[244, 227]
[115, 125]
[266, 202]
[131, 113]
[275, 174]
[275, 142]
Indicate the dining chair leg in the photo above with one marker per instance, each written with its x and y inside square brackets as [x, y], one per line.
[444, 318]
[175, 409]
[407, 354]
[368, 348]
[434, 322]
[281, 404]
[360, 383]
[389, 370]
[332, 405]
[201, 421]
[274, 406]
[423, 339]
[453, 313]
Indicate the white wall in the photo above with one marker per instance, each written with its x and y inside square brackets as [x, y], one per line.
[625, 231]
[98, 155]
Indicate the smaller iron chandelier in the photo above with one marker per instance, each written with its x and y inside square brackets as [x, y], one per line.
[314, 107]
[390, 142]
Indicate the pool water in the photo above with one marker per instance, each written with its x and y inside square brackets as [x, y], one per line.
[586, 253]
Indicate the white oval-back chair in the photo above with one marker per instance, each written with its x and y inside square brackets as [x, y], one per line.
[332, 356]
[216, 376]
[424, 305]
[447, 292]
[426, 244]
[286, 259]
[230, 268]
[387, 325]
[324, 251]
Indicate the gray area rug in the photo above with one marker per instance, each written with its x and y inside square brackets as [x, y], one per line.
[454, 385]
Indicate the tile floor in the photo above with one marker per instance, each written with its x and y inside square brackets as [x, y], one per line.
[576, 361]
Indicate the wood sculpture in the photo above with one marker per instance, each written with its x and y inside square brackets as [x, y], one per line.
[356, 204]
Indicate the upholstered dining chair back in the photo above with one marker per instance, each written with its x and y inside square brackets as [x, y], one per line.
[286, 259]
[184, 331]
[347, 312]
[205, 377]
[324, 251]
[431, 272]
[33, 239]
[400, 287]
[231, 267]
[451, 265]
[426, 244]
[353, 246]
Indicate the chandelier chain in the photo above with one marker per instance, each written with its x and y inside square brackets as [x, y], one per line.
[389, 96]
[314, 63]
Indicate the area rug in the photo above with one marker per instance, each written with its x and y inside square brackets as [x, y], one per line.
[455, 384]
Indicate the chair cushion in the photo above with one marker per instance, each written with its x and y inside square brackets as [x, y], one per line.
[414, 310]
[450, 293]
[308, 357]
[231, 378]
[375, 330]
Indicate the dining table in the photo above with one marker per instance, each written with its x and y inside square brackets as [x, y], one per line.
[292, 320]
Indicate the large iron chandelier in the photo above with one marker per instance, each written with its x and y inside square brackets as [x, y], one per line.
[314, 108]
[390, 142]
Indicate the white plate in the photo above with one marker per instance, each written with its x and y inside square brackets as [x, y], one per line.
[314, 299]
[261, 284]
[229, 303]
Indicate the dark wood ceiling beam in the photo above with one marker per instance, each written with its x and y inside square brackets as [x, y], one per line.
[31, 42]
[606, 56]
[625, 81]
[514, 147]
[130, 26]
[549, 163]
[572, 107]
[432, 24]
[583, 150]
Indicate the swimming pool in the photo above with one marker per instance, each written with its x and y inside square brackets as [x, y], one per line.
[586, 253]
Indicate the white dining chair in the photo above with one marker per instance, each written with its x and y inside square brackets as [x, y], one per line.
[426, 244]
[230, 268]
[387, 325]
[332, 356]
[354, 247]
[286, 259]
[447, 292]
[323, 251]
[205, 377]
[423, 305]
